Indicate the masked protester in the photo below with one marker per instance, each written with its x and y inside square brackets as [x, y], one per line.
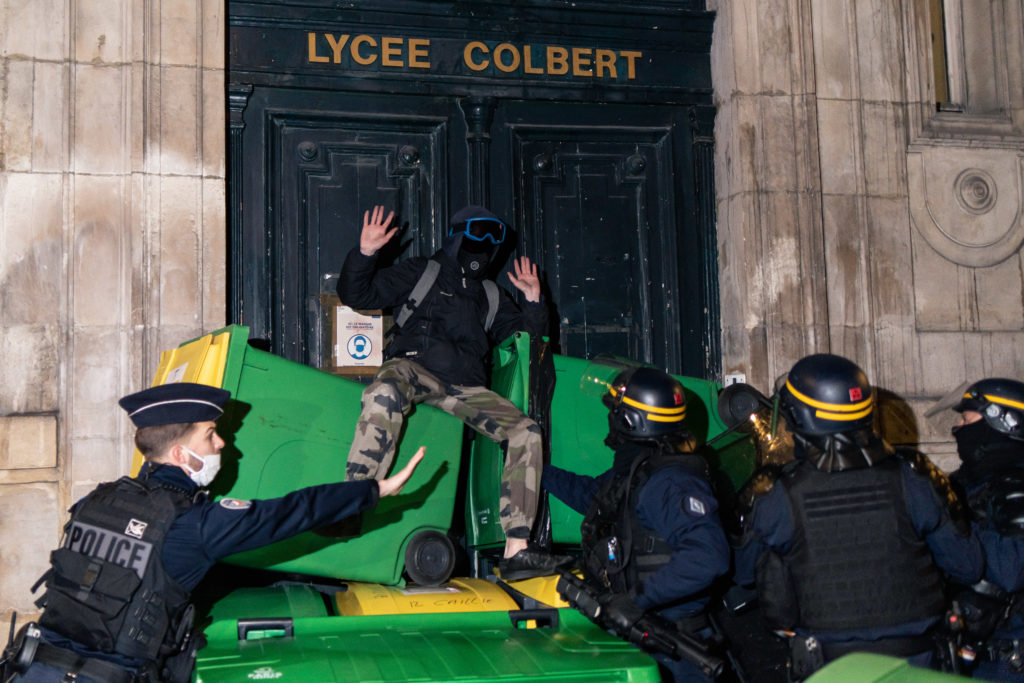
[117, 603]
[990, 442]
[652, 539]
[449, 314]
[851, 545]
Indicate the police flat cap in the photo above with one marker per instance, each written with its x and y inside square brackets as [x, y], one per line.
[177, 403]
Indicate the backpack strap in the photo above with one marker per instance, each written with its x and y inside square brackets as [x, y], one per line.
[493, 297]
[426, 281]
[419, 291]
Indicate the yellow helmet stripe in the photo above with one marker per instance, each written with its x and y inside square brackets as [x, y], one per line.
[681, 410]
[666, 418]
[833, 407]
[1001, 401]
[843, 417]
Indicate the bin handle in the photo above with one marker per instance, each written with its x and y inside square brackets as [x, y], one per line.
[545, 617]
[254, 626]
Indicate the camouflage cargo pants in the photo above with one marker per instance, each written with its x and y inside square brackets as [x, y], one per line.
[400, 384]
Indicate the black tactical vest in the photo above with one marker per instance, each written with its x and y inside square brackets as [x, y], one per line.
[855, 560]
[618, 551]
[107, 588]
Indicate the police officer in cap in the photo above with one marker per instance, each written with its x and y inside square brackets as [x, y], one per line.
[652, 539]
[851, 545]
[117, 603]
[990, 441]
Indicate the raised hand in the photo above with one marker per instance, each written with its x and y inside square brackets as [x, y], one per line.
[526, 279]
[375, 232]
[394, 484]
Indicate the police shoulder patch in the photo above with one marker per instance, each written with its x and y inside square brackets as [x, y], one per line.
[695, 506]
[235, 504]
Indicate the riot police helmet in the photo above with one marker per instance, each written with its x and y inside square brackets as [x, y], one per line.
[646, 404]
[825, 394]
[1000, 402]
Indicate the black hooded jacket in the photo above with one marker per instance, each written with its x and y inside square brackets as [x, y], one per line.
[445, 334]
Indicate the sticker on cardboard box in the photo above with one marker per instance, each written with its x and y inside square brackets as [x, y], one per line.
[358, 338]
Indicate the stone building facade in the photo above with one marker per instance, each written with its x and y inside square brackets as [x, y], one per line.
[112, 214]
[857, 216]
[854, 215]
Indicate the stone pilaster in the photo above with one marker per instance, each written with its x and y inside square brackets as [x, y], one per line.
[768, 183]
[112, 239]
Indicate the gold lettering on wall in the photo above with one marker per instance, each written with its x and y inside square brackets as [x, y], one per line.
[392, 51]
[313, 56]
[558, 60]
[468, 56]
[337, 45]
[396, 52]
[358, 56]
[419, 53]
[631, 57]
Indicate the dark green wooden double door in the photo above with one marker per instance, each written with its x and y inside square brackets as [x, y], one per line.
[611, 200]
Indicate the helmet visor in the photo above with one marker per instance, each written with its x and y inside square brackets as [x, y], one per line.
[950, 401]
[599, 374]
[480, 229]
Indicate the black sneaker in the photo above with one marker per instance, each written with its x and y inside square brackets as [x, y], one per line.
[531, 562]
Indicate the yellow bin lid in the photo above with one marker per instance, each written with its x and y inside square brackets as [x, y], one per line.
[201, 361]
[458, 595]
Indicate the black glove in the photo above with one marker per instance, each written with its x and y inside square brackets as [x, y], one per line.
[980, 614]
[619, 612]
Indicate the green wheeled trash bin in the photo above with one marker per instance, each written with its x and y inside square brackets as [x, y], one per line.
[577, 422]
[290, 426]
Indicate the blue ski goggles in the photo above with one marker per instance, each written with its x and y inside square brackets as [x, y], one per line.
[480, 229]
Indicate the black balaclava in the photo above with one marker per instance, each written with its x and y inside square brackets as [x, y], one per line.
[472, 256]
[976, 440]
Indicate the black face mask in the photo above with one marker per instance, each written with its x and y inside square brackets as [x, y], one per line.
[474, 264]
[975, 439]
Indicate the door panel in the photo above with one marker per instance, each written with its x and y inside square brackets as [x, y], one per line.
[330, 160]
[600, 196]
[597, 204]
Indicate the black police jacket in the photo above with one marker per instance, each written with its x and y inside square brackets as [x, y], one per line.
[198, 534]
[445, 333]
[107, 588]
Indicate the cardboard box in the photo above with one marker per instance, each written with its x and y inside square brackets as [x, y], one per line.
[356, 339]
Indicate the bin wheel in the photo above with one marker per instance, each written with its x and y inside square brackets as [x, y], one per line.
[429, 558]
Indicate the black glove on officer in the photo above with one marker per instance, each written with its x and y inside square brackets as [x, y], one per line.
[619, 612]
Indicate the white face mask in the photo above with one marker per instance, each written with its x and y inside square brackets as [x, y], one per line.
[205, 474]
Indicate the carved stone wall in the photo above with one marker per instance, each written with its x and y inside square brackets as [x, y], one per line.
[111, 240]
[856, 218]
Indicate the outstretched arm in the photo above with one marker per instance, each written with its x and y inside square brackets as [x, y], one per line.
[226, 529]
